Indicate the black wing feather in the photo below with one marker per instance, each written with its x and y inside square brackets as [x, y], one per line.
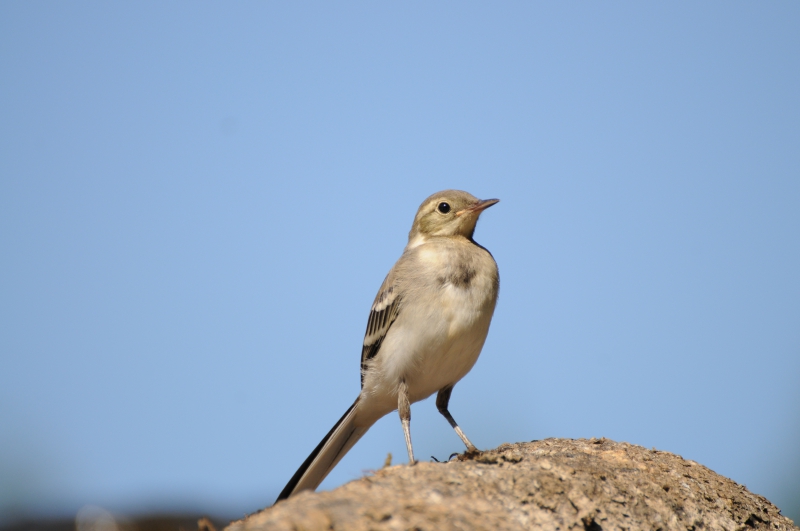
[378, 324]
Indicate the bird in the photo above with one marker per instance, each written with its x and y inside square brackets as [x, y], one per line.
[426, 328]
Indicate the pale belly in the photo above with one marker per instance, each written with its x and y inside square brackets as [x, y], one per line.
[429, 349]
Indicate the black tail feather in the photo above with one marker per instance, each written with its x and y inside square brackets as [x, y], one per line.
[289, 488]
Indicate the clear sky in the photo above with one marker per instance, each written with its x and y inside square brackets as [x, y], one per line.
[198, 202]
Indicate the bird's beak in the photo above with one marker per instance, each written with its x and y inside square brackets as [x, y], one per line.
[478, 207]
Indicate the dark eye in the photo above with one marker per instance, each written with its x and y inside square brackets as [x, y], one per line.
[443, 207]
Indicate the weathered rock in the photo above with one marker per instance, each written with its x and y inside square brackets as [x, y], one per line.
[554, 484]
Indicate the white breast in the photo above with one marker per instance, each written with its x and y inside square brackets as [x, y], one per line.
[438, 334]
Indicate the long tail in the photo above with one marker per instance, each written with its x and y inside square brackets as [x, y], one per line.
[327, 454]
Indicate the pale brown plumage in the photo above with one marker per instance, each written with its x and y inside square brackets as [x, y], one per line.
[425, 330]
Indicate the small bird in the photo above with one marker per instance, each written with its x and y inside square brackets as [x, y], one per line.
[425, 330]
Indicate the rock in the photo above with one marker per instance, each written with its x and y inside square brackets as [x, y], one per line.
[553, 484]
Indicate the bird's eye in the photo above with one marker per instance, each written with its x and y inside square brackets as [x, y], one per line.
[443, 207]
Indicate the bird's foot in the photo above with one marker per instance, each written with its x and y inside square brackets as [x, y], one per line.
[469, 455]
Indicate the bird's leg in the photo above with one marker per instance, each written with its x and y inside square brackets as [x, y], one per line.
[442, 399]
[404, 408]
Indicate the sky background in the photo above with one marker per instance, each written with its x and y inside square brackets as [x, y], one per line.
[198, 203]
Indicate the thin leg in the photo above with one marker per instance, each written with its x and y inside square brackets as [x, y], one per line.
[442, 399]
[404, 408]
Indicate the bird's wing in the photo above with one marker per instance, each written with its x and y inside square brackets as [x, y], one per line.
[383, 313]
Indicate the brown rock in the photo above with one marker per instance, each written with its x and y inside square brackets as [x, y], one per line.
[554, 484]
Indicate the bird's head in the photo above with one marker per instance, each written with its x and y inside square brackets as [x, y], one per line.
[447, 213]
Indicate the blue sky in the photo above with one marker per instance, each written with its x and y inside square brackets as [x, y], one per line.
[198, 203]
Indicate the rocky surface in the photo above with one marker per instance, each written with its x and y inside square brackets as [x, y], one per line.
[558, 484]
